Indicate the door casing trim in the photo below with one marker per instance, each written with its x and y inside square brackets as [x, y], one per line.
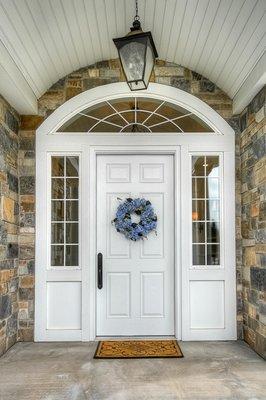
[136, 150]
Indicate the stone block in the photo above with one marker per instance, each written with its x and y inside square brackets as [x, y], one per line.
[249, 256]
[30, 122]
[260, 235]
[74, 83]
[109, 73]
[3, 233]
[51, 100]
[27, 185]
[27, 220]
[27, 144]
[26, 335]
[72, 92]
[92, 83]
[180, 83]
[23, 314]
[12, 325]
[8, 209]
[174, 70]
[4, 276]
[11, 121]
[258, 278]
[5, 306]
[206, 86]
[12, 250]
[27, 282]
[27, 203]
[12, 181]
[26, 252]
[26, 294]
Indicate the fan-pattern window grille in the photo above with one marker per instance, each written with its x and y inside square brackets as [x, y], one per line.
[135, 115]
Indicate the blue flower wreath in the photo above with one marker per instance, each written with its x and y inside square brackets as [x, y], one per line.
[132, 230]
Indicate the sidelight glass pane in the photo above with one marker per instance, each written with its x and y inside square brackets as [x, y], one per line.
[57, 166]
[71, 233]
[72, 166]
[198, 188]
[198, 232]
[72, 188]
[212, 188]
[57, 256]
[71, 256]
[198, 166]
[212, 166]
[213, 232]
[213, 210]
[57, 210]
[198, 210]
[57, 233]
[57, 188]
[213, 254]
[72, 210]
[198, 254]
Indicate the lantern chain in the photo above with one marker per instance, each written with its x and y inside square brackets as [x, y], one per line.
[137, 11]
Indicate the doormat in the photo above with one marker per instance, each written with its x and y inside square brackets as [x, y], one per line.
[138, 349]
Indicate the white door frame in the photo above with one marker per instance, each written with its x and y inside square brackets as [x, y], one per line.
[88, 146]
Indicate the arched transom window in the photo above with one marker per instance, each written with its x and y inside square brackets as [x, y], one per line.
[136, 114]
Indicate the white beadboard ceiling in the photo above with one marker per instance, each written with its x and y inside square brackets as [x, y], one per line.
[43, 40]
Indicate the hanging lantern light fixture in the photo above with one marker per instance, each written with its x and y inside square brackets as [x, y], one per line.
[137, 53]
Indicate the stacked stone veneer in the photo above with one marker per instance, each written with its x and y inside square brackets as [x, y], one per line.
[9, 225]
[253, 194]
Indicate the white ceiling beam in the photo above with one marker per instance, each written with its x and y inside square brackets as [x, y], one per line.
[14, 87]
[251, 86]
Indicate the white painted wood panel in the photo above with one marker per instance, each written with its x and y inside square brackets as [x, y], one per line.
[138, 277]
[207, 305]
[63, 305]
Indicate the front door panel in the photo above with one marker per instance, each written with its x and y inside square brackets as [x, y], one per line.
[137, 297]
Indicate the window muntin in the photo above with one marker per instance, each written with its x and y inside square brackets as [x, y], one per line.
[64, 211]
[135, 114]
[206, 205]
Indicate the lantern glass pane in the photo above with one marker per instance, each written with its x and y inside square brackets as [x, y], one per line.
[133, 59]
[149, 63]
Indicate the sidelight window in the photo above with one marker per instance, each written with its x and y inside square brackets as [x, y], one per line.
[206, 205]
[64, 211]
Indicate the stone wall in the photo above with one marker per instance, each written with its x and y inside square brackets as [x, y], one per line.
[253, 194]
[26, 165]
[9, 223]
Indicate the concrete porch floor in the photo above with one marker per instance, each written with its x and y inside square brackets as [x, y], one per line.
[67, 371]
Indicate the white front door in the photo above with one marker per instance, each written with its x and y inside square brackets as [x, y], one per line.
[137, 297]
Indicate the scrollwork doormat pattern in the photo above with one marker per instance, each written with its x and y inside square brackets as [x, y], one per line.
[138, 349]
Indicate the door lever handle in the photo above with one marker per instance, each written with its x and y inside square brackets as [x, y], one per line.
[100, 270]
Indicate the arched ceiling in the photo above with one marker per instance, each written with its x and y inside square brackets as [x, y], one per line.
[44, 40]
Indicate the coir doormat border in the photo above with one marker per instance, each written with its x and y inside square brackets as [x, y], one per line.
[101, 353]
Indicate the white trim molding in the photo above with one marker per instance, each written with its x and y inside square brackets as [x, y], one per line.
[120, 90]
[48, 143]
